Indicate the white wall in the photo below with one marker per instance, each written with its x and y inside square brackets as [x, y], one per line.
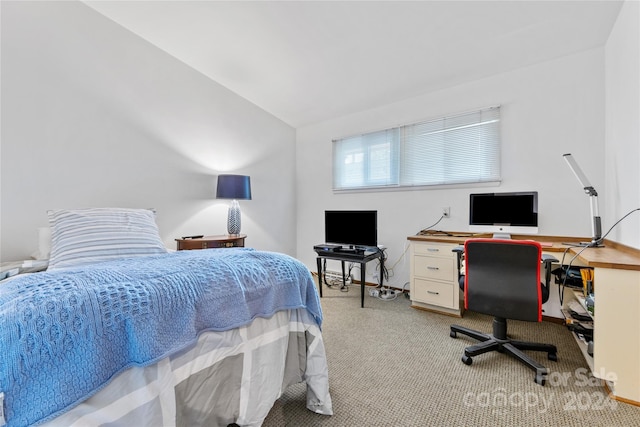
[622, 154]
[548, 109]
[93, 115]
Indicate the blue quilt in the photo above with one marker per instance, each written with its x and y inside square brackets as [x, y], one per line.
[65, 334]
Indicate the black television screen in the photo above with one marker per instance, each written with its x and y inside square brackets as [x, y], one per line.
[352, 228]
[504, 212]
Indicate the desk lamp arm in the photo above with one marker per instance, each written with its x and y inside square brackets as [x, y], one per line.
[596, 225]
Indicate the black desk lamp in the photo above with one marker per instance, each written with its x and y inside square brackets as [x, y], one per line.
[234, 187]
[596, 227]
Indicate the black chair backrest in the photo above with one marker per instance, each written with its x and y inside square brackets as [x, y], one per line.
[502, 278]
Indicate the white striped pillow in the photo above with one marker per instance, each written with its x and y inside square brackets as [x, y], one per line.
[86, 236]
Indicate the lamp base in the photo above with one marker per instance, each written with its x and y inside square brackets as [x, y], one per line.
[592, 244]
[584, 244]
[234, 218]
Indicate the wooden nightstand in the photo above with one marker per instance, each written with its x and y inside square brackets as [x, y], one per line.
[208, 242]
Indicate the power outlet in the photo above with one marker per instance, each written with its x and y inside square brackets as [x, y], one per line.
[446, 212]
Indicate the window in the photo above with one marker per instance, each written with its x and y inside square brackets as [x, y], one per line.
[450, 150]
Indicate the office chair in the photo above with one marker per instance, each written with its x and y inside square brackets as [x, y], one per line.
[502, 279]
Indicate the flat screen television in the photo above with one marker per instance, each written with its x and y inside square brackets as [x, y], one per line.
[351, 228]
[504, 214]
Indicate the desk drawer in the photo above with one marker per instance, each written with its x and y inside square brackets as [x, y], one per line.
[429, 267]
[435, 293]
[434, 249]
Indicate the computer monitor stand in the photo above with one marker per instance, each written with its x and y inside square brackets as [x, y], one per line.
[505, 236]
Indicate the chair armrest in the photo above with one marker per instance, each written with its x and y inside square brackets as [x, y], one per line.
[547, 260]
[459, 250]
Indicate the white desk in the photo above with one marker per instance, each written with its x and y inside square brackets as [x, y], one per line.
[617, 308]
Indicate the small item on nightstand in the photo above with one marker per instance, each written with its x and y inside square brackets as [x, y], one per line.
[197, 236]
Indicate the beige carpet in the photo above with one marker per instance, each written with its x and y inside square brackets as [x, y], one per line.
[392, 365]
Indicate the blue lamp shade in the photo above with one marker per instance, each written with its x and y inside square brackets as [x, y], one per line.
[235, 187]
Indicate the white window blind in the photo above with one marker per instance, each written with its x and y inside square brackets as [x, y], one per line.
[452, 150]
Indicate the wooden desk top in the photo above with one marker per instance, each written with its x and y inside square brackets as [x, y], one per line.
[612, 255]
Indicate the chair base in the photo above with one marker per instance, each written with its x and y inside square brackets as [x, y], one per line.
[498, 341]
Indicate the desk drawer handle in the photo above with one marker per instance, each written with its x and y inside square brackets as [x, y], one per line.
[433, 249]
[433, 268]
[433, 293]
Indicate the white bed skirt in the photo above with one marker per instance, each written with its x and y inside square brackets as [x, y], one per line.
[227, 377]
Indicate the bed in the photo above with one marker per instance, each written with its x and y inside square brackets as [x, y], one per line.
[208, 337]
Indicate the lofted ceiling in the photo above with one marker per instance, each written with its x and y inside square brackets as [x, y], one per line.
[309, 61]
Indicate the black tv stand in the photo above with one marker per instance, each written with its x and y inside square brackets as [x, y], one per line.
[356, 254]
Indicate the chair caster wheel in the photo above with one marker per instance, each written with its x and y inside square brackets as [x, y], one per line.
[540, 379]
[453, 334]
[552, 356]
[467, 360]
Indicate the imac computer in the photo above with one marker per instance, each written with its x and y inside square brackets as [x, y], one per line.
[351, 229]
[504, 214]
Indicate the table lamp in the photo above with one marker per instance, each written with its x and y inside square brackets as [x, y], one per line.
[234, 187]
